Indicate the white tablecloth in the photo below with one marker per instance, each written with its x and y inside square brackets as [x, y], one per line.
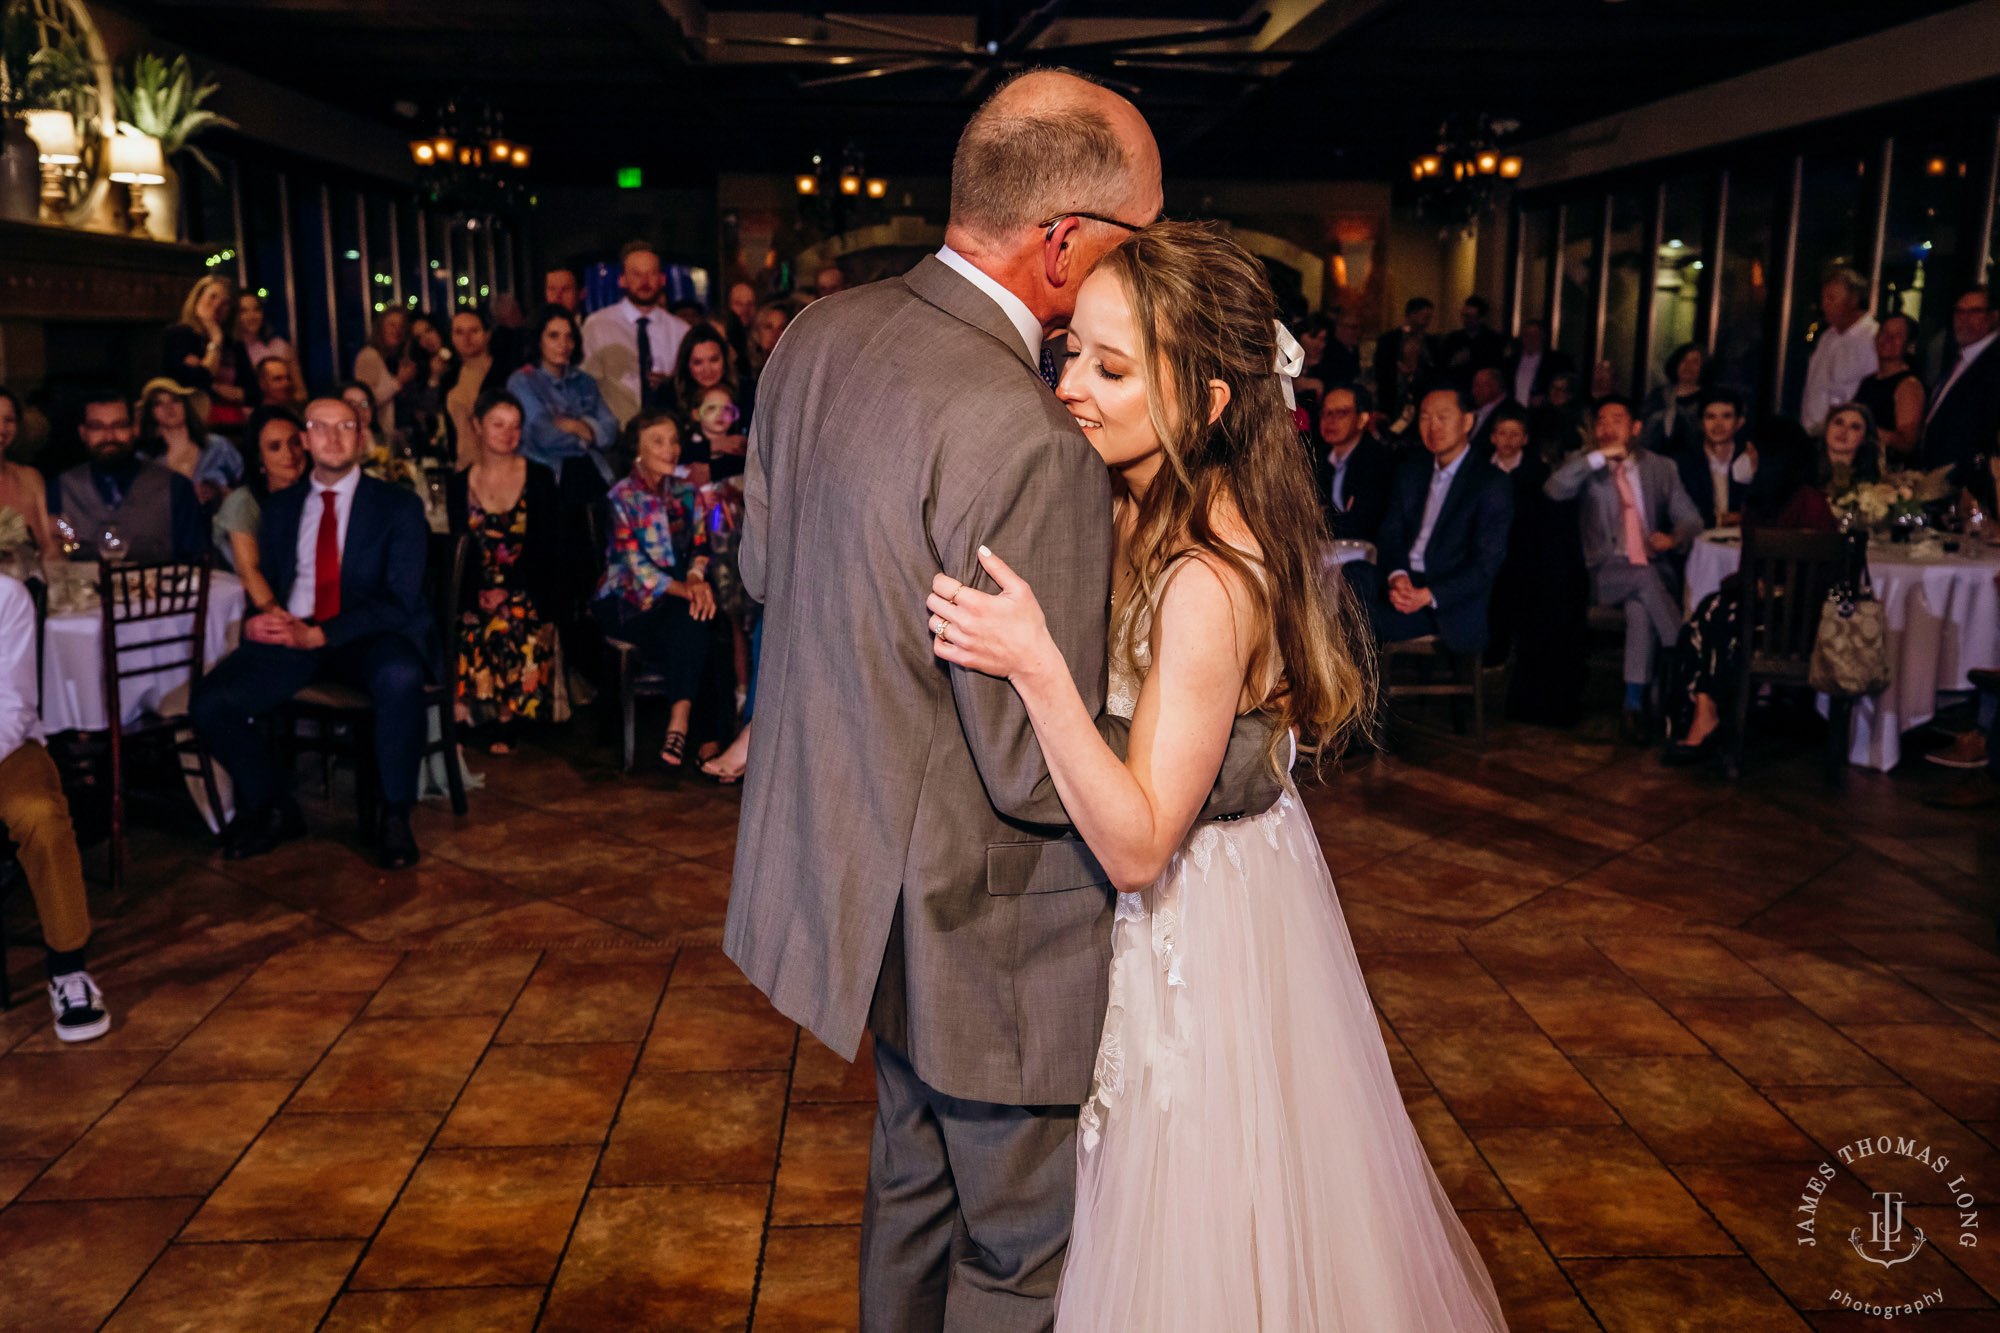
[1944, 620]
[73, 662]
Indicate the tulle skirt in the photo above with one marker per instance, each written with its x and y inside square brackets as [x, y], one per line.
[1245, 1161]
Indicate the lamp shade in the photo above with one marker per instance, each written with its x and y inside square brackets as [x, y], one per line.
[136, 160]
[54, 133]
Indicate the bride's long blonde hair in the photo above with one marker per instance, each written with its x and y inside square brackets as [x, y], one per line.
[1205, 311]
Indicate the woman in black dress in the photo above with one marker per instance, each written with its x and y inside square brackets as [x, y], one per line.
[1894, 395]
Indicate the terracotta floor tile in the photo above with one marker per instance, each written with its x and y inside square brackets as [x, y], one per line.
[1534, 1294]
[396, 1064]
[1526, 957]
[1460, 1169]
[530, 849]
[63, 1266]
[439, 1310]
[811, 1281]
[48, 1101]
[1973, 996]
[662, 903]
[1935, 1321]
[1519, 848]
[1684, 966]
[1695, 1295]
[1599, 1191]
[1956, 1064]
[274, 1287]
[525, 1096]
[696, 1129]
[1696, 1109]
[1943, 1223]
[261, 1034]
[479, 1217]
[15, 1173]
[705, 965]
[1758, 1203]
[584, 999]
[163, 1140]
[1436, 889]
[1575, 912]
[823, 1170]
[449, 982]
[385, 908]
[821, 1076]
[153, 1015]
[1506, 1078]
[1837, 1117]
[534, 925]
[1409, 1075]
[670, 1257]
[1438, 990]
[718, 1027]
[1593, 1015]
[1845, 986]
[316, 967]
[1778, 1041]
[1926, 948]
[314, 1177]
[1658, 875]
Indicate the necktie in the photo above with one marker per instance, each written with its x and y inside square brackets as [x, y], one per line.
[326, 562]
[645, 362]
[1628, 502]
[1049, 376]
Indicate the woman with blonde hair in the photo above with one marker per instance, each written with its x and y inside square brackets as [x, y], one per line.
[386, 366]
[1244, 1160]
[200, 352]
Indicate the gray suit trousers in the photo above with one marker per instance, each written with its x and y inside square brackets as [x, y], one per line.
[967, 1216]
[1652, 610]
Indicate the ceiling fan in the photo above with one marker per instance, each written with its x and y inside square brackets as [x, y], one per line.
[983, 62]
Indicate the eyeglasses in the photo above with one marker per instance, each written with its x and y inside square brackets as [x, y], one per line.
[334, 428]
[1049, 227]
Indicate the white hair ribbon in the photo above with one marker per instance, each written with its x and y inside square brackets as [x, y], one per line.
[1291, 361]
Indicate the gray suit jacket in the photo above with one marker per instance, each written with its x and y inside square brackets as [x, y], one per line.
[1668, 508]
[899, 426]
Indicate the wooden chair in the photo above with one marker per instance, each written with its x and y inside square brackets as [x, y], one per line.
[1467, 678]
[630, 680]
[343, 715]
[140, 605]
[1785, 577]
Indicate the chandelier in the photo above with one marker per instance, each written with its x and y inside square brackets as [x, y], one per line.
[838, 192]
[1457, 180]
[468, 162]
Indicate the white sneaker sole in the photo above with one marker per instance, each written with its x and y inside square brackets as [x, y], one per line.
[86, 1033]
[1943, 762]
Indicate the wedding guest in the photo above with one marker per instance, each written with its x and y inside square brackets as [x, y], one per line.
[152, 509]
[1341, 362]
[567, 426]
[1515, 587]
[829, 280]
[1603, 382]
[418, 403]
[703, 363]
[1843, 353]
[1894, 394]
[508, 334]
[1635, 518]
[1672, 411]
[474, 372]
[654, 591]
[1533, 365]
[506, 638]
[1716, 475]
[742, 303]
[1489, 392]
[344, 555]
[36, 818]
[1560, 425]
[200, 353]
[386, 367]
[1541, 598]
[278, 451]
[716, 421]
[172, 433]
[1473, 345]
[765, 330]
[22, 489]
[560, 287]
[1963, 417]
[629, 348]
[1850, 451]
[279, 383]
[1783, 495]
[1406, 376]
[1392, 348]
[261, 344]
[1355, 471]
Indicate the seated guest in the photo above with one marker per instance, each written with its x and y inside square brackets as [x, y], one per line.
[1489, 392]
[201, 352]
[1716, 475]
[1473, 345]
[765, 330]
[36, 816]
[1515, 588]
[1393, 348]
[1782, 495]
[1541, 599]
[720, 438]
[382, 454]
[1443, 538]
[22, 489]
[566, 419]
[278, 383]
[1354, 469]
[278, 453]
[1671, 415]
[1893, 393]
[171, 432]
[1963, 417]
[1635, 517]
[344, 555]
[560, 287]
[385, 365]
[828, 280]
[1560, 426]
[1850, 451]
[473, 373]
[704, 363]
[1533, 364]
[153, 509]
[261, 345]
[506, 638]
[655, 593]
[418, 404]
[1406, 377]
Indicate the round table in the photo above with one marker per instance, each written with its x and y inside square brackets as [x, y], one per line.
[73, 659]
[1943, 613]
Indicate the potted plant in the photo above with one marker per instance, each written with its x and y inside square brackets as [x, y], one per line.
[162, 98]
[20, 163]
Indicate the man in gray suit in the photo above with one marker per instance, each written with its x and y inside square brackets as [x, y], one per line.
[1636, 515]
[902, 865]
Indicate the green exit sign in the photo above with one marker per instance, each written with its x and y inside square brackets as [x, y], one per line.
[630, 178]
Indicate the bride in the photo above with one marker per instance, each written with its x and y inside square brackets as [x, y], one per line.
[1244, 1161]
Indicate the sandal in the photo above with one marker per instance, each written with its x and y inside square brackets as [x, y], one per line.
[673, 748]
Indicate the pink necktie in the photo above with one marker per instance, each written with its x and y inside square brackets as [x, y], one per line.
[1635, 528]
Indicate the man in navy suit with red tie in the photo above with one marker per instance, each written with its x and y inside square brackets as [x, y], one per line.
[344, 555]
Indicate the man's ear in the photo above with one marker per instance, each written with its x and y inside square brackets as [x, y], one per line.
[1059, 253]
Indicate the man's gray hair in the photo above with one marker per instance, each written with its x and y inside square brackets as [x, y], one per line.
[1017, 168]
[1851, 279]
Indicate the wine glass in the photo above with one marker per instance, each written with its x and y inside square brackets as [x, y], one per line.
[66, 537]
[110, 546]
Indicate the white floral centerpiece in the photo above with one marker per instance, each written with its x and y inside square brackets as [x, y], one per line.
[1897, 500]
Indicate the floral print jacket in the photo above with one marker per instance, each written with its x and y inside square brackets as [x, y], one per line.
[655, 536]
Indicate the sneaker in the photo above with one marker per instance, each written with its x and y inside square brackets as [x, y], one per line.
[1967, 750]
[78, 1006]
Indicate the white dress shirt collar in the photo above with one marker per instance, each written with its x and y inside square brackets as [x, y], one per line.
[633, 313]
[344, 488]
[1013, 307]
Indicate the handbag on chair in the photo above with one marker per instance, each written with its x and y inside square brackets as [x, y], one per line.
[1850, 653]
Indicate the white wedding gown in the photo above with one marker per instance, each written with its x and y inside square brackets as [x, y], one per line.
[1245, 1161]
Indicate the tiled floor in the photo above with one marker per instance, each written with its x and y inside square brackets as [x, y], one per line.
[520, 1088]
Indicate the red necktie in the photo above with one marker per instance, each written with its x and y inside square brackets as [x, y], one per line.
[326, 563]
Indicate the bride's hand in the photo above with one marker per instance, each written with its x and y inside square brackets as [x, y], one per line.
[1000, 634]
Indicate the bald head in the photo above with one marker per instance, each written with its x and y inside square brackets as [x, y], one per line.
[1048, 142]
